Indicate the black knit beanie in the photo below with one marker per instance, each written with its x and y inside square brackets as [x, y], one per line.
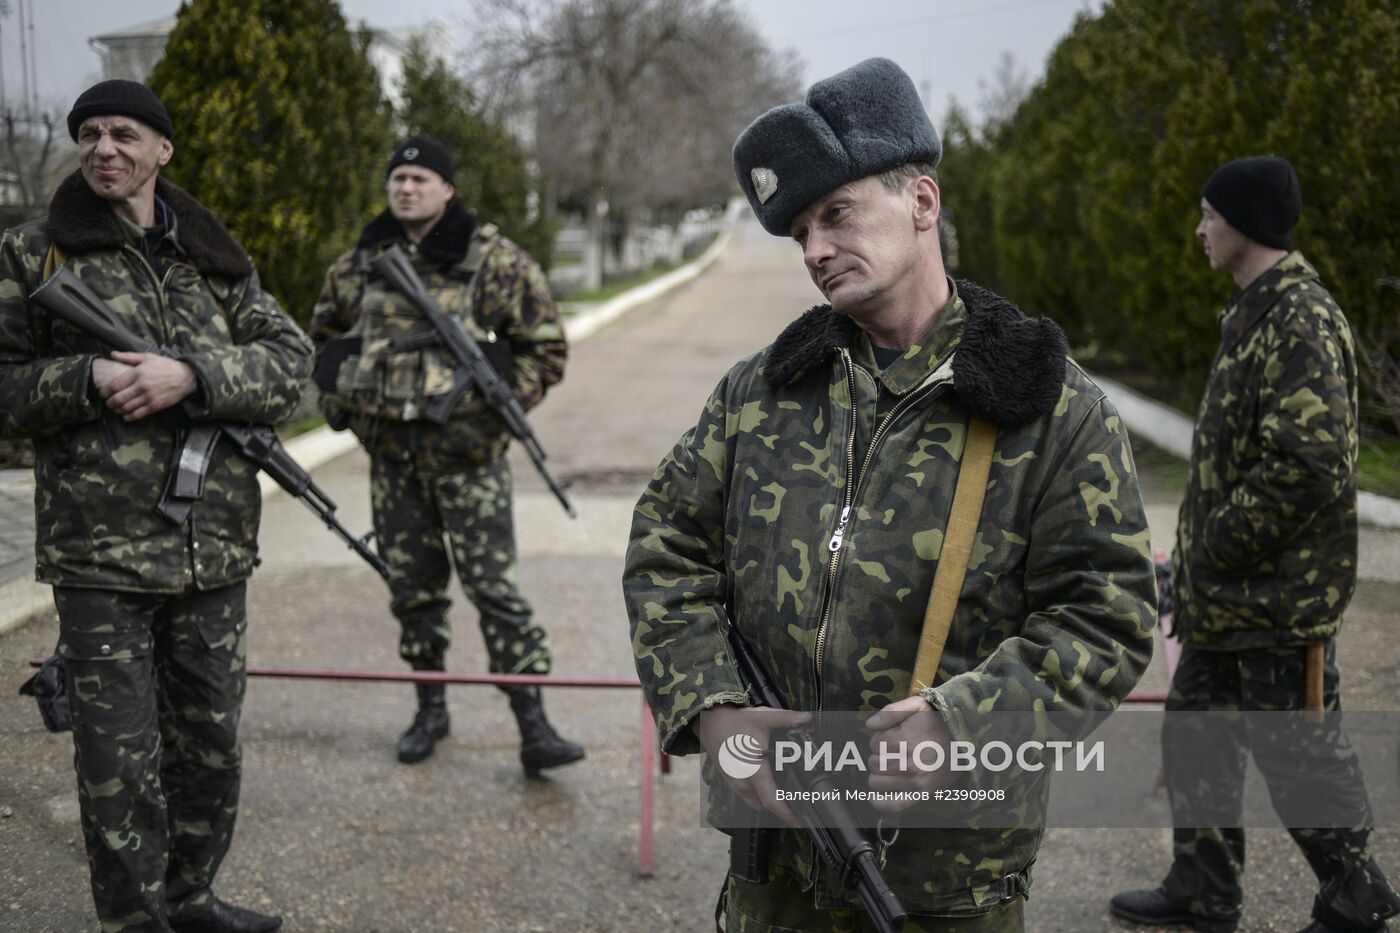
[120, 98]
[424, 151]
[1260, 198]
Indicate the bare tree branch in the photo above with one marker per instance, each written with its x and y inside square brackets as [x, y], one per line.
[28, 160]
[636, 101]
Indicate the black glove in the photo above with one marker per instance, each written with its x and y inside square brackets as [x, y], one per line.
[328, 360]
[49, 688]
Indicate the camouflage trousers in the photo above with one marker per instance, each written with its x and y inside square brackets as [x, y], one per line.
[781, 906]
[156, 684]
[414, 510]
[1208, 862]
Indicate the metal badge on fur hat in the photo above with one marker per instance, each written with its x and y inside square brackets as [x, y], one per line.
[765, 184]
[863, 121]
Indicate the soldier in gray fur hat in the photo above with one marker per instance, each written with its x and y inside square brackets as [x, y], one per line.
[808, 507]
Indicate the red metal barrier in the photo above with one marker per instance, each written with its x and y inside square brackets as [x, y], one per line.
[444, 677]
[646, 840]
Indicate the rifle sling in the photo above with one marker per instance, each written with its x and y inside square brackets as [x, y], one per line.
[956, 551]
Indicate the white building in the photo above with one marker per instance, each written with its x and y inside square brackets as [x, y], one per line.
[132, 53]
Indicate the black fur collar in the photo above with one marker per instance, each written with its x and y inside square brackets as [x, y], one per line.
[1008, 368]
[446, 242]
[81, 222]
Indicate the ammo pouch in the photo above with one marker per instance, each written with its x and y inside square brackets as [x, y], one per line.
[391, 365]
[49, 688]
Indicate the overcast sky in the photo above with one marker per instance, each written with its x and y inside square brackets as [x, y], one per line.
[947, 46]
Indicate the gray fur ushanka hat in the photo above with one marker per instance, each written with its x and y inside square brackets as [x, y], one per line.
[863, 121]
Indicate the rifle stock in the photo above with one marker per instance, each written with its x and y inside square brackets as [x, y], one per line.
[473, 369]
[68, 298]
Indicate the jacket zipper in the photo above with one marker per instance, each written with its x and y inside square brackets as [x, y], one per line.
[854, 479]
[160, 283]
[839, 533]
[160, 291]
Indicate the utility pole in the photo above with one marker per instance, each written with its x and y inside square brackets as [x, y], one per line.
[4, 12]
[23, 59]
[33, 62]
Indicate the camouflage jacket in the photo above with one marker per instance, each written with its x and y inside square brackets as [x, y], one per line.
[808, 507]
[98, 477]
[1266, 539]
[380, 391]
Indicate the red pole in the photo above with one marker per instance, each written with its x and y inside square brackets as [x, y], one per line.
[645, 843]
[442, 677]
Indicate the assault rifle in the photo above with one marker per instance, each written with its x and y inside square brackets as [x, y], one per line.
[66, 297]
[472, 369]
[829, 823]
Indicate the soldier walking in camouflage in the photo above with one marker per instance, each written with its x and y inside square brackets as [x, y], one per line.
[432, 482]
[808, 508]
[1265, 559]
[152, 621]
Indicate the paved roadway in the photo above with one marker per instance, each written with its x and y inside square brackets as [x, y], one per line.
[339, 837]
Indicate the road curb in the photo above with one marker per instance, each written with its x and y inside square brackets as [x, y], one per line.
[1169, 429]
[581, 328]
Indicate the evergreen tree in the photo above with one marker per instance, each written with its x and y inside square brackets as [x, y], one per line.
[1094, 185]
[967, 196]
[493, 172]
[281, 129]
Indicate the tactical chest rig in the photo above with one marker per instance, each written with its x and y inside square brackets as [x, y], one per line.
[392, 364]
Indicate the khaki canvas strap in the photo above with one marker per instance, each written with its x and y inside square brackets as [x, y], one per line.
[54, 258]
[956, 551]
[1315, 660]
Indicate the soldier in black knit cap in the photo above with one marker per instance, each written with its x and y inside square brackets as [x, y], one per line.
[1264, 566]
[441, 493]
[152, 604]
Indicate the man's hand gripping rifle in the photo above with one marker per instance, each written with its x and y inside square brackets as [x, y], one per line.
[65, 296]
[829, 823]
[472, 370]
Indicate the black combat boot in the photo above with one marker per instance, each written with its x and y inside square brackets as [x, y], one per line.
[430, 723]
[222, 917]
[1156, 907]
[1380, 904]
[540, 746]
